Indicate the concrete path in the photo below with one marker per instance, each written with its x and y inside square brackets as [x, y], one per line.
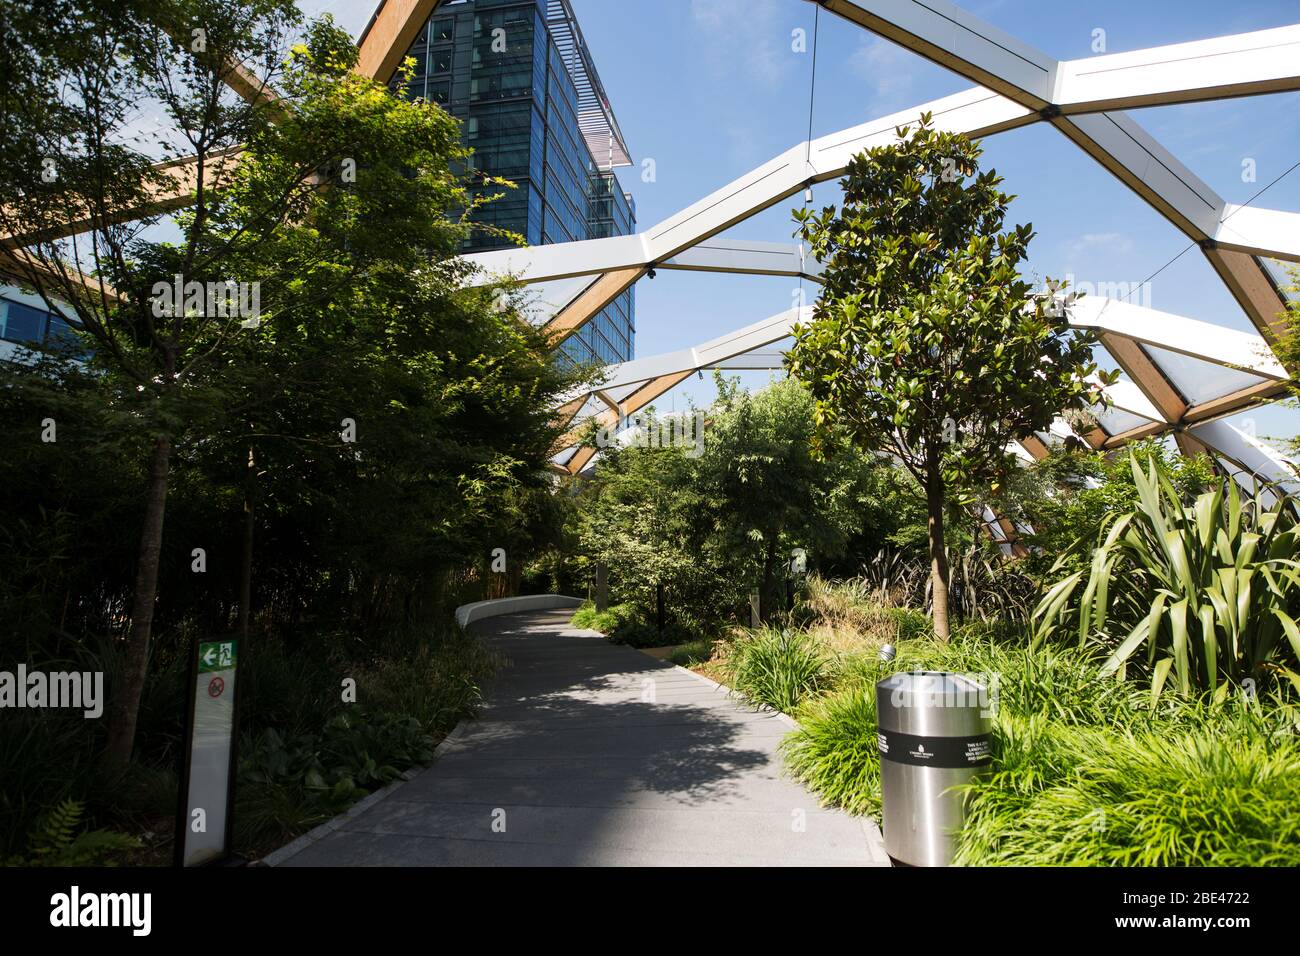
[592, 754]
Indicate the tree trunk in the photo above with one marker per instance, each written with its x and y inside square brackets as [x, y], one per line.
[766, 605]
[125, 708]
[496, 582]
[938, 556]
[602, 586]
[246, 558]
[659, 609]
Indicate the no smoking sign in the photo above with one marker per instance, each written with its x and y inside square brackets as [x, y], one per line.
[209, 773]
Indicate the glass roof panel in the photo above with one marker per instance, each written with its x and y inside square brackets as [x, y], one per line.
[1278, 272]
[542, 300]
[1200, 381]
[1115, 421]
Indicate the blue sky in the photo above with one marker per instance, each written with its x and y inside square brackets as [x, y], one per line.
[709, 89]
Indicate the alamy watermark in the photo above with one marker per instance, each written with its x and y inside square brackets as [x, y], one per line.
[979, 689]
[74, 909]
[1134, 293]
[671, 431]
[77, 690]
[211, 300]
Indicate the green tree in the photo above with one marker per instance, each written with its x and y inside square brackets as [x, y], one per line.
[713, 525]
[770, 493]
[73, 160]
[337, 213]
[922, 344]
[642, 513]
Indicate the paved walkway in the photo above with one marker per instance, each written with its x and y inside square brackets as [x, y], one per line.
[591, 754]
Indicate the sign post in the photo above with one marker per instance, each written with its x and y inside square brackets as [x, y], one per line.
[207, 785]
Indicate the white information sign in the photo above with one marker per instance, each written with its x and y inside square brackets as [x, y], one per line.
[204, 832]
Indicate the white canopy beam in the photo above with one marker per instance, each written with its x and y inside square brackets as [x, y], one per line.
[628, 386]
[1204, 341]
[1233, 66]
[1244, 64]
[747, 258]
[1246, 452]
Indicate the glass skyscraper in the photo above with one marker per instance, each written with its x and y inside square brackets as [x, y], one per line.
[519, 76]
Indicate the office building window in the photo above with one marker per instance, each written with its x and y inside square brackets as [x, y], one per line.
[24, 324]
[518, 105]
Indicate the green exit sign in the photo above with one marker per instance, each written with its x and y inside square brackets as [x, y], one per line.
[216, 655]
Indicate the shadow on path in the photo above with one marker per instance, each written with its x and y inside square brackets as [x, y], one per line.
[587, 753]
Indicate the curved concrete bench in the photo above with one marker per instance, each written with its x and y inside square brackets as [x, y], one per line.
[467, 614]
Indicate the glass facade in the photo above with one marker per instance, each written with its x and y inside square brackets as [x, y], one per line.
[610, 212]
[495, 65]
[23, 324]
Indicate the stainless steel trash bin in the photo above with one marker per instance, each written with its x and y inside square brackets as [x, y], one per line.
[934, 731]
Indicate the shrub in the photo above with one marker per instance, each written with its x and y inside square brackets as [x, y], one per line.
[588, 618]
[52, 755]
[1068, 495]
[438, 686]
[844, 618]
[909, 623]
[46, 757]
[291, 782]
[1086, 771]
[622, 624]
[642, 634]
[893, 578]
[1210, 590]
[776, 667]
[410, 689]
[692, 653]
[846, 605]
[292, 779]
[1072, 795]
[982, 586]
[834, 751]
[285, 687]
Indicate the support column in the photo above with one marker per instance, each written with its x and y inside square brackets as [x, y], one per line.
[602, 586]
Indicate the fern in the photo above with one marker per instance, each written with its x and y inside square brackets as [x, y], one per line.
[56, 842]
[56, 830]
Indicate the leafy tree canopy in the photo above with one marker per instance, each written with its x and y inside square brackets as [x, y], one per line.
[925, 343]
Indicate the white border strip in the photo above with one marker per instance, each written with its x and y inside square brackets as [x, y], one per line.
[467, 614]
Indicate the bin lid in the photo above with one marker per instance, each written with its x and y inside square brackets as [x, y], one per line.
[933, 703]
[944, 683]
